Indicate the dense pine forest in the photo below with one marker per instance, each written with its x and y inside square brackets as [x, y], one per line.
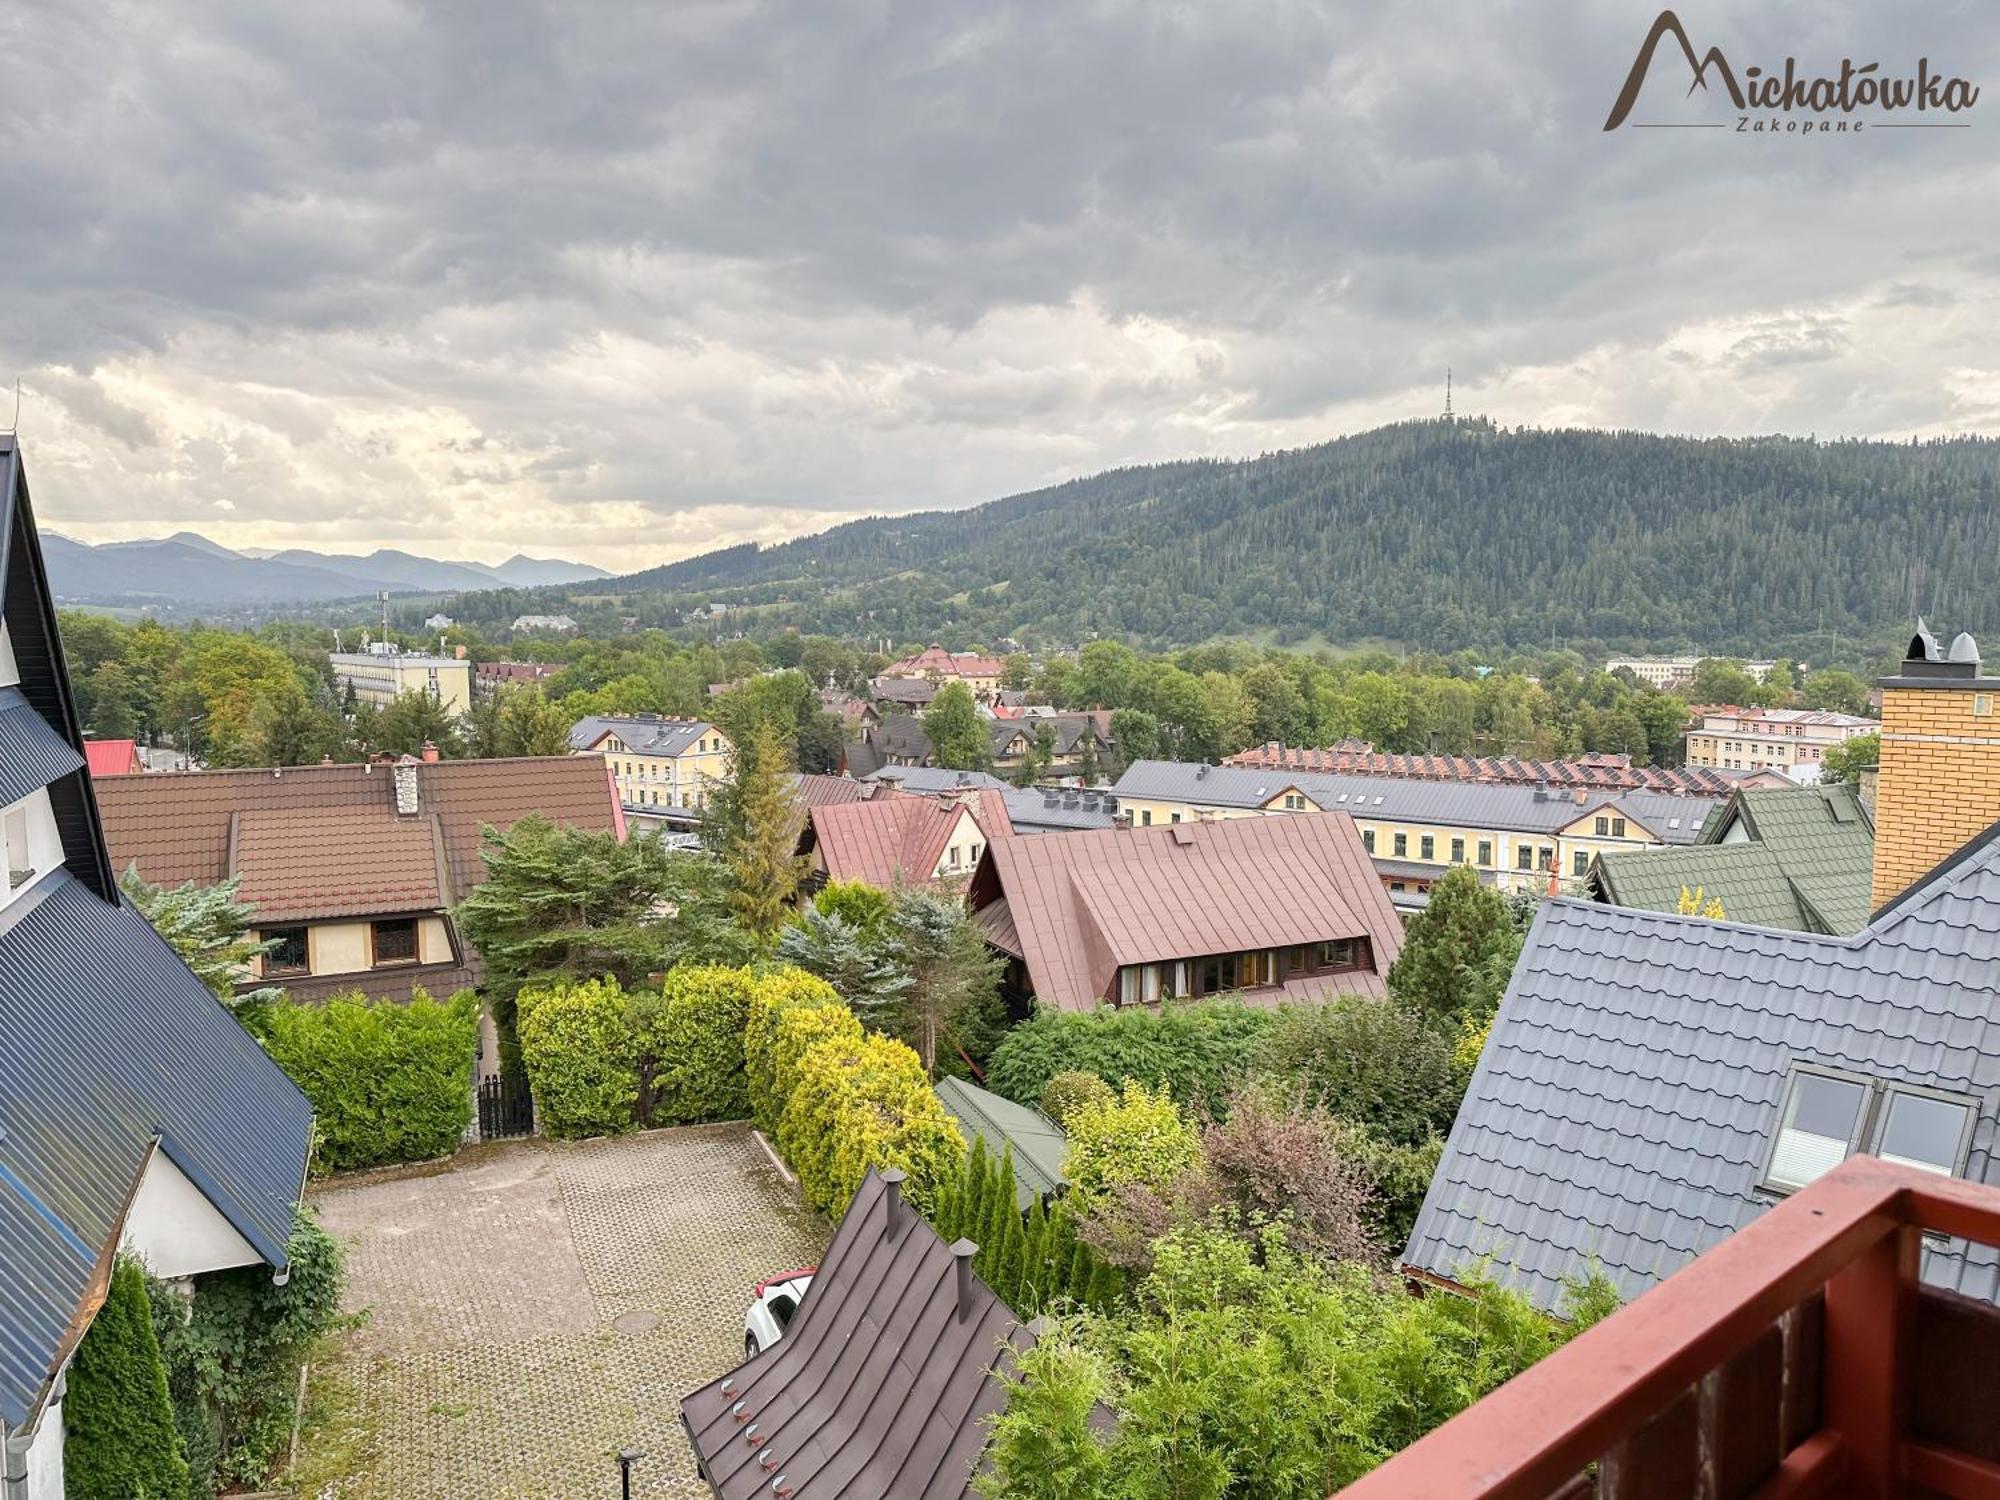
[1434, 534]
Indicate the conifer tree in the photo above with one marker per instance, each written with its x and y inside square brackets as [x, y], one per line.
[765, 864]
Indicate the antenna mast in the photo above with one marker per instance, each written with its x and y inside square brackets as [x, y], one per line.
[1447, 393]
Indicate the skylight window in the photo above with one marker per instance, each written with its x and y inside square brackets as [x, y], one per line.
[1828, 1116]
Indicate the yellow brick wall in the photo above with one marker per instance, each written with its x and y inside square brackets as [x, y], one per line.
[1939, 784]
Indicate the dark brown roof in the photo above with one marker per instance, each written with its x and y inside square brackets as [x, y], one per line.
[881, 1387]
[1083, 904]
[1597, 769]
[317, 838]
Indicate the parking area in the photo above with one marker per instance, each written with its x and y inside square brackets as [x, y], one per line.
[540, 1305]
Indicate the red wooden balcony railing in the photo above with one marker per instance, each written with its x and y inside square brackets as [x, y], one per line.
[1800, 1357]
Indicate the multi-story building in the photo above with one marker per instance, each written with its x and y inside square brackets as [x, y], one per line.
[488, 677]
[381, 674]
[1516, 837]
[1791, 741]
[661, 766]
[1595, 770]
[1668, 671]
[935, 664]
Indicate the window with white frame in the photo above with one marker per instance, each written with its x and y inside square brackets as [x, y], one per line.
[1828, 1115]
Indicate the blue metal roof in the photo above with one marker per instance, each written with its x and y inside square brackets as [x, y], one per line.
[35, 754]
[110, 1048]
[109, 1045]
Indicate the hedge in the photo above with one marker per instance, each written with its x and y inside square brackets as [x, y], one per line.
[388, 1082]
[776, 995]
[689, 1040]
[1139, 1136]
[121, 1439]
[1199, 1050]
[855, 1104]
[582, 1058]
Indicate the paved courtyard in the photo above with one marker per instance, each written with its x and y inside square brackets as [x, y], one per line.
[541, 1305]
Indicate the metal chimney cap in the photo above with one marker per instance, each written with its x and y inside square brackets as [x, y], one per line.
[1964, 648]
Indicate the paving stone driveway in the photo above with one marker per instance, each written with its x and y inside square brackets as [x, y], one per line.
[542, 1304]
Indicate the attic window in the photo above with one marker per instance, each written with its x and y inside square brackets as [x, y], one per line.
[1827, 1116]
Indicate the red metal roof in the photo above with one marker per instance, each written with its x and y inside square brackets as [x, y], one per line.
[1083, 904]
[898, 838]
[112, 757]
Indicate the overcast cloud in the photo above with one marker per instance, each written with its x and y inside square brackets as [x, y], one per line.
[623, 283]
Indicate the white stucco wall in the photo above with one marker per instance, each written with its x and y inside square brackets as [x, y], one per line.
[10, 673]
[176, 1230]
[45, 850]
[44, 1462]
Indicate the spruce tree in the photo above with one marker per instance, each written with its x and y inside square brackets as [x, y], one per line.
[764, 865]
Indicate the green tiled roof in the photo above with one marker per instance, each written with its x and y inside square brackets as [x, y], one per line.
[1039, 1143]
[1804, 864]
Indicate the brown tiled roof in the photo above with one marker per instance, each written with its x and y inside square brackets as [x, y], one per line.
[322, 824]
[898, 837]
[1083, 904]
[815, 789]
[394, 866]
[1613, 772]
[884, 1384]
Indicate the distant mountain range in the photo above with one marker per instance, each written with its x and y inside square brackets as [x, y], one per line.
[187, 568]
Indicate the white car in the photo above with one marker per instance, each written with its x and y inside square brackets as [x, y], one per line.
[773, 1302]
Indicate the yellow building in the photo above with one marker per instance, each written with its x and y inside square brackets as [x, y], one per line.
[934, 664]
[380, 677]
[662, 767]
[1939, 783]
[1517, 837]
[1793, 741]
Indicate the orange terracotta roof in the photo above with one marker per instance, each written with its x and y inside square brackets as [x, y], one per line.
[1083, 904]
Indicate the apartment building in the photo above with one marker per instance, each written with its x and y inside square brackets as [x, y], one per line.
[1791, 741]
[661, 766]
[1669, 671]
[935, 664]
[1517, 837]
[381, 674]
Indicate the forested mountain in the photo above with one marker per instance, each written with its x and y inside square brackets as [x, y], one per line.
[1436, 534]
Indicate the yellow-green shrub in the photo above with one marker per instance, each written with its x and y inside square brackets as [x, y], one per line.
[801, 1028]
[1138, 1136]
[689, 1042]
[577, 1043]
[775, 995]
[856, 1103]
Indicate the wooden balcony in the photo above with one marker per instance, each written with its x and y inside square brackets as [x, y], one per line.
[1800, 1357]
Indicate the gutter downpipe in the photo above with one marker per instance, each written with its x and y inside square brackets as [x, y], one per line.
[14, 1483]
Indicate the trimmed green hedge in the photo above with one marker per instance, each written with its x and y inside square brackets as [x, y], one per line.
[856, 1104]
[582, 1057]
[690, 1045]
[1199, 1050]
[388, 1082]
[121, 1439]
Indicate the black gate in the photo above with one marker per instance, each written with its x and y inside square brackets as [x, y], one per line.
[506, 1107]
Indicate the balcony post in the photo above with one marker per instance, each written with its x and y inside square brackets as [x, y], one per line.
[1865, 1383]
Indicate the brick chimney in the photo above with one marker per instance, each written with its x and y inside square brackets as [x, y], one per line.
[1939, 782]
[431, 755]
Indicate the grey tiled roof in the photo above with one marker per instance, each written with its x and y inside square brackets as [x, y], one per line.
[1520, 809]
[649, 734]
[1035, 810]
[1624, 1106]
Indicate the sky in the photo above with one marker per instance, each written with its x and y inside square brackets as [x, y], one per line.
[624, 283]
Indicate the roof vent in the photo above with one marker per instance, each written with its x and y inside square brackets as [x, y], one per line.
[892, 1200]
[1183, 835]
[1201, 771]
[1964, 648]
[407, 801]
[1923, 645]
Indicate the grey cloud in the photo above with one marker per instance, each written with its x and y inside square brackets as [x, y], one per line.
[857, 254]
